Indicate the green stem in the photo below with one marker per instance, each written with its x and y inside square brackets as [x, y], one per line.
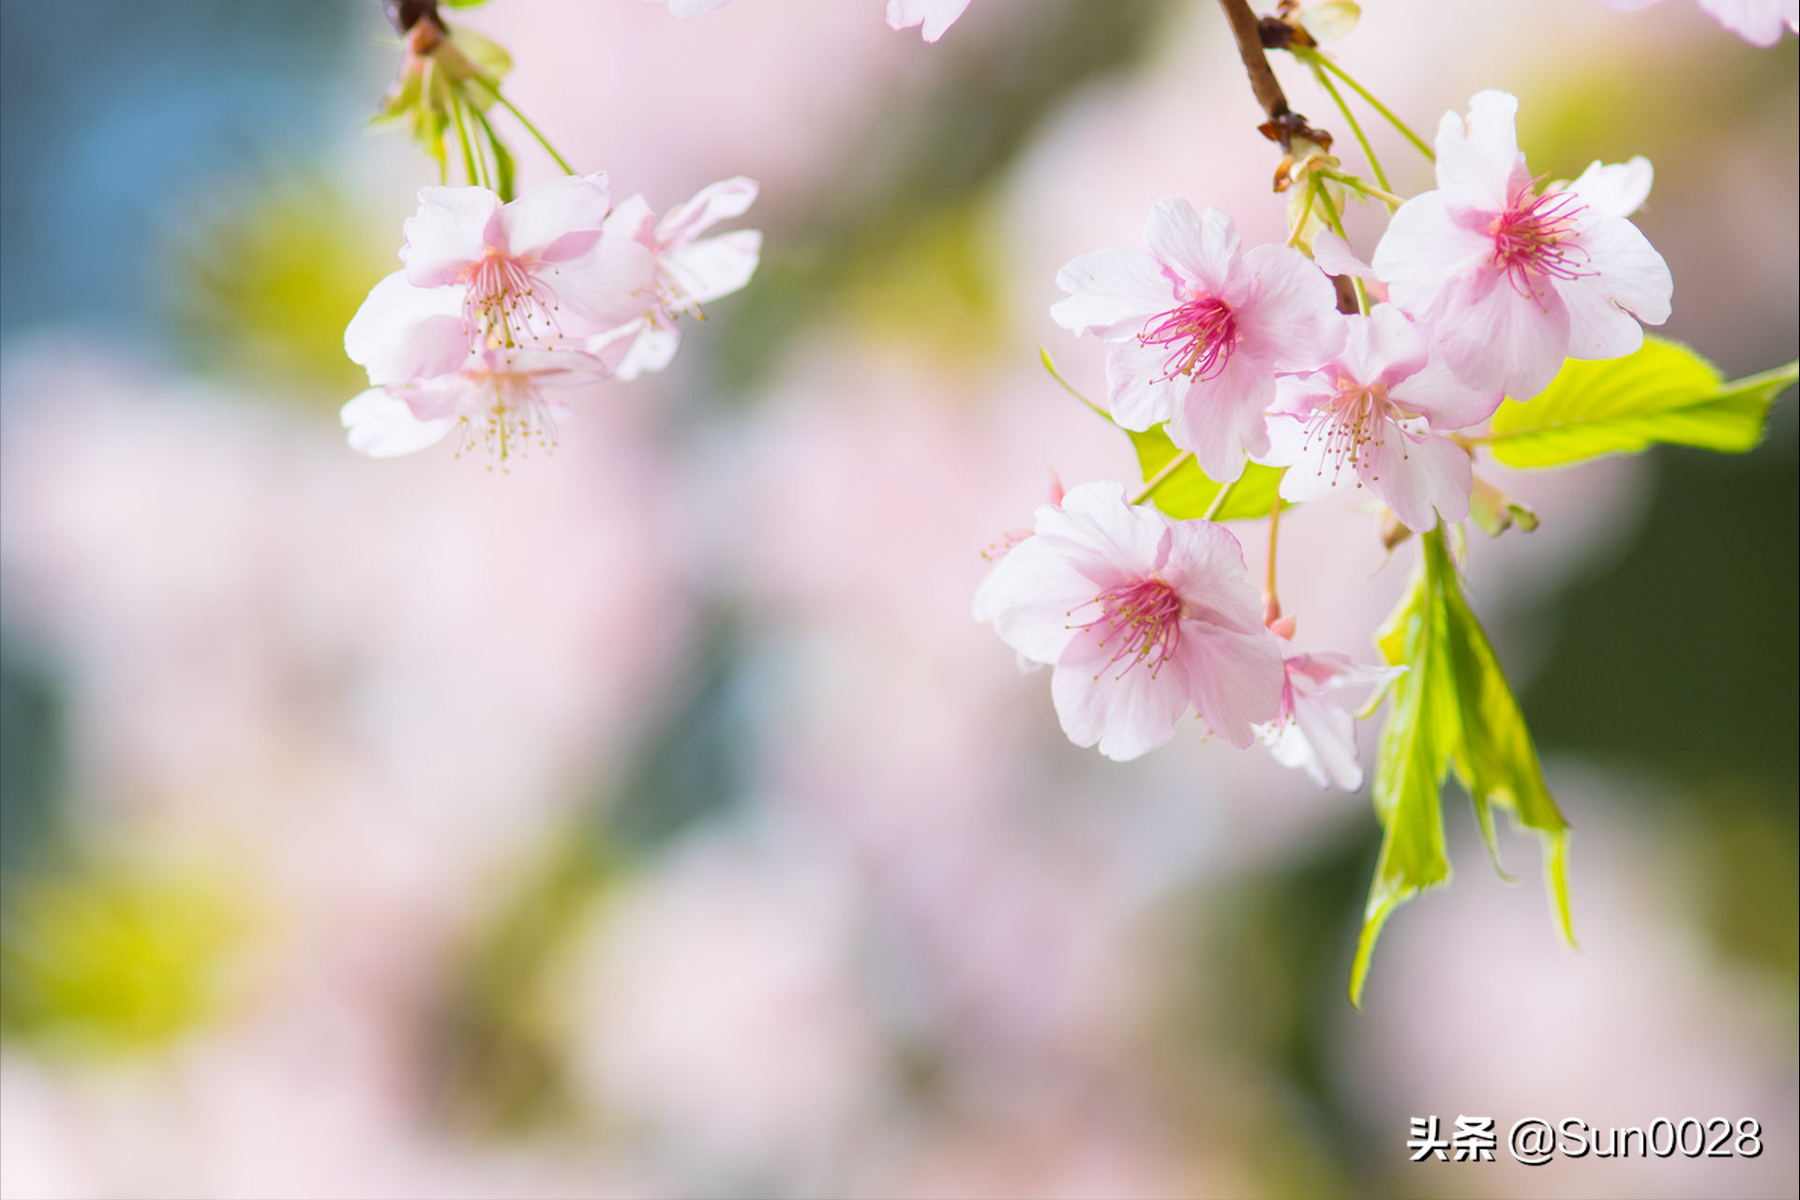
[1337, 226]
[1218, 501]
[502, 175]
[1352, 182]
[1373, 103]
[477, 176]
[1355, 127]
[1156, 481]
[518, 116]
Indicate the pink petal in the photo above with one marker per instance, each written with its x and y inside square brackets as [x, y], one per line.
[1758, 22]
[1330, 733]
[1334, 256]
[1205, 566]
[1478, 163]
[1031, 598]
[1290, 315]
[1416, 475]
[1138, 392]
[935, 16]
[1630, 270]
[1222, 419]
[402, 332]
[1383, 347]
[1424, 251]
[1504, 339]
[555, 221]
[714, 203]
[1290, 747]
[1121, 705]
[1234, 679]
[1201, 247]
[612, 284]
[1105, 538]
[446, 235]
[1445, 401]
[1112, 293]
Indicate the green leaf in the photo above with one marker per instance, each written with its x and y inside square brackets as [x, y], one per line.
[1188, 493]
[1662, 393]
[1452, 710]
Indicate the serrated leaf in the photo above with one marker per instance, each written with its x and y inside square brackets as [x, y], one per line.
[1408, 771]
[1187, 492]
[1452, 710]
[1662, 393]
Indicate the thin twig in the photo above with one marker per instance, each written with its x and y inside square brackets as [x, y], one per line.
[1156, 480]
[1248, 32]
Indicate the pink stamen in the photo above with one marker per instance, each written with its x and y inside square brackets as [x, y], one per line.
[1354, 419]
[1530, 240]
[1144, 617]
[509, 303]
[1202, 333]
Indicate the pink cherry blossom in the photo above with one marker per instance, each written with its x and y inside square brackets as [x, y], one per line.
[1142, 616]
[934, 16]
[1376, 417]
[689, 270]
[1758, 22]
[498, 395]
[1200, 330]
[1315, 733]
[481, 273]
[1516, 280]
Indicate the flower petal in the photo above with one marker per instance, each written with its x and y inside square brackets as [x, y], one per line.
[1416, 475]
[711, 204]
[1121, 705]
[446, 235]
[1615, 189]
[613, 284]
[1290, 314]
[1424, 251]
[1222, 419]
[382, 426]
[1205, 566]
[1105, 538]
[402, 332]
[1112, 293]
[556, 221]
[1445, 401]
[1031, 598]
[713, 267]
[935, 16]
[1630, 270]
[1234, 679]
[1505, 339]
[1478, 162]
[1139, 393]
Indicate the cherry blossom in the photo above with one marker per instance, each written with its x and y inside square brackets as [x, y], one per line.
[498, 395]
[1315, 730]
[1375, 416]
[1516, 280]
[1758, 22]
[689, 270]
[1142, 617]
[933, 16]
[1199, 330]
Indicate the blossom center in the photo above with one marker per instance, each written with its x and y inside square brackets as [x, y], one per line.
[1142, 621]
[1357, 417]
[511, 414]
[1531, 240]
[1199, 335]
[508, 302]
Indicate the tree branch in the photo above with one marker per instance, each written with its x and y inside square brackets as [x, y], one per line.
[1284, 124]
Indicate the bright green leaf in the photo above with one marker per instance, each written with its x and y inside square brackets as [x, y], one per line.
[1188, 493]
[1662, 393]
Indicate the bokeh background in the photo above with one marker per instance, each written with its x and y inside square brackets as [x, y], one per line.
[652, 820]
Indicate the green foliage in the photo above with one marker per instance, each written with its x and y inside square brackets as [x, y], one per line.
[1452, 711]
[1662, 393]
[1186, 492]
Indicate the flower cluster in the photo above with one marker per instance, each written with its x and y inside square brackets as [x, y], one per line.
[499, 307]
[1478, 290]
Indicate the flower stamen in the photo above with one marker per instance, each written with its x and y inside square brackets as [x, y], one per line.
[1201, 333]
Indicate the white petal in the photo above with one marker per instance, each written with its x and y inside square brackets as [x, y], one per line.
[714, 203]
[1415, 476]
[1138, 392]
[1615, 189]
[1119, 704]
[714, 267]
[612, 284]
[1424, 252]
[556, 221]
[935, 16]
[382, 426]
[1234, 678]
[1478, 163]
[447, 233]
[1203, 247]
[1105, 538]
[402, 332]
[1335, 257]
[1033, 598]
[1112, 293]
[1630, 270]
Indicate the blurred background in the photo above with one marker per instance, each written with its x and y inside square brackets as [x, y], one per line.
[653, 820]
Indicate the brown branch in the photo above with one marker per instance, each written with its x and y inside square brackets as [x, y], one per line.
[1284, 124]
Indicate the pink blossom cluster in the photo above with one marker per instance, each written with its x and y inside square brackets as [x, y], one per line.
[1483, 286]
[500, 307]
